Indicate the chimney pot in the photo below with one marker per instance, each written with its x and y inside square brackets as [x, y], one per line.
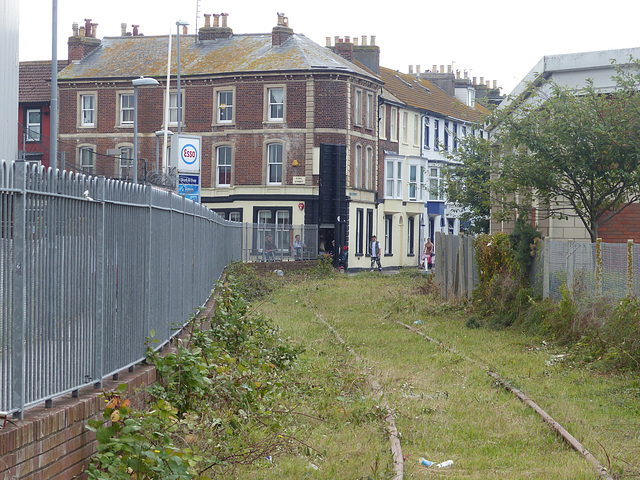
[82, 31]
[87, 27]
[328, 42]
[495, 84]
[224, 21]
[449, 68]
[373, 40]
[410, 68]
[135, 30]
[74, 27]
[185, 30]
[474, 80]
[441, 68]
[94, 30]
[216, 19]
[488, 83]
[347, 39]
[466, 74]
[336, 40]
[481, 80]
[364, 40]
[123, 29]
[207, 20]
[458, 73]
[418, 69]
[355, 41]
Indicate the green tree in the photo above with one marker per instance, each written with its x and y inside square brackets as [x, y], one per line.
[577, 152]
[466, 181]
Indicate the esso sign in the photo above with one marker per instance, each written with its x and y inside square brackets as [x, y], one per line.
[189, 154]
[185, 153]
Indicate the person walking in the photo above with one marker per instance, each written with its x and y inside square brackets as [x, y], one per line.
[375, 253]
[428, 254]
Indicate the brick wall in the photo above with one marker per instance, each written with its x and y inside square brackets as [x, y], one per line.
[624, 226]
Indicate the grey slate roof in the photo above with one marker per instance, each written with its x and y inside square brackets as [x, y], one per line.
[131, 57]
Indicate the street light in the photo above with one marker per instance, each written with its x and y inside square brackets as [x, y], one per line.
[160, 133]
[179, 23]
[138, 82]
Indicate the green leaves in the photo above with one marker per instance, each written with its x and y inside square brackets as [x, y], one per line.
[570, 152]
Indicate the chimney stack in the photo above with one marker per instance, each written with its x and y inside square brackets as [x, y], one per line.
[281, 32]
[209, 32]
[83, 40]
[135, 30]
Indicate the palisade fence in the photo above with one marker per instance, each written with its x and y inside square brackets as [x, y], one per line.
[596, 269]
[89, 267]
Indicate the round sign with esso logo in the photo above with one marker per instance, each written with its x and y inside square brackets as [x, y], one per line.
[189, 154]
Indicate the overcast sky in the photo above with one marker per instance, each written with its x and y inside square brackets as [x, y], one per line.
[496, 39]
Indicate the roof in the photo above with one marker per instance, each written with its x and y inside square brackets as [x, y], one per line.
[573, 69]
[424, 95]
[35, 81]
[134, 56]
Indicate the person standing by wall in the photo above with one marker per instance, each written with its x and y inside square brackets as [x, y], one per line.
[428, 254]
[375, 253]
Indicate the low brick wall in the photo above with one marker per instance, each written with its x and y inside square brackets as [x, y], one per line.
[54, 443]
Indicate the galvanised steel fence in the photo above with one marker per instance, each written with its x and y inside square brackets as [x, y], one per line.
[594, 269]
[89, 268]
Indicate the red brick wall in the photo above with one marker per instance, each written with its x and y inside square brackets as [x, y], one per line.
[624, 226]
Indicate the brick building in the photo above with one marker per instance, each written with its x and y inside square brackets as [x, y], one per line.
[34, 108]
[288, 127]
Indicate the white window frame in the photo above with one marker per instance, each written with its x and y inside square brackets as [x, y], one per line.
[278, 166]
[227, 165]
[34, 130]
[173, 108]
[369, 109]
[358, 107]
[416, 129]
[426, 140]
[413, 182]
[87, 152]
[226, 108]
[393, 123]
[435, 184]
[368, 168]
[405, 127]
[125, 111]
[383, 121]
[268, 104]
[436, 134]
[125, 162]
[393, 178]
[87, 109]
[357, 170]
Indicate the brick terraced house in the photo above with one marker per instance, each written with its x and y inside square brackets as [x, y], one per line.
[289, 128]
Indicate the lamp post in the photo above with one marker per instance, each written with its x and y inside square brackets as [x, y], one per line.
[179, 23]
[160, 133]
[138, 82]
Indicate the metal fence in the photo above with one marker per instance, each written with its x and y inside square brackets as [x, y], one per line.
[89, 267]
[289, 242]
[599, 269]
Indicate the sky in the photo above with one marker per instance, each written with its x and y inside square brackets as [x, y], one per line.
[499, 40]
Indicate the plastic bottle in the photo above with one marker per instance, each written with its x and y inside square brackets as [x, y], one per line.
[448, 463]
[425, 462]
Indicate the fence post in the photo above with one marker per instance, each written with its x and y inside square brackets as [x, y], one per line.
[19, 307]
[629, 268]
[470, 265]
[570, 266]
[546, 267]
[599, 267]
[98, 367]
